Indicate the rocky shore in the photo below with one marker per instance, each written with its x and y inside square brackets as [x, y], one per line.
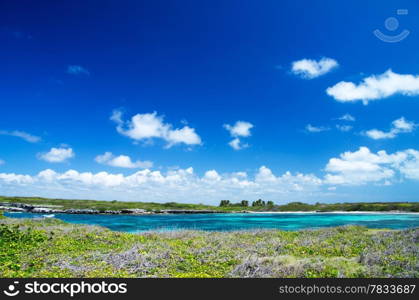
[54, 209]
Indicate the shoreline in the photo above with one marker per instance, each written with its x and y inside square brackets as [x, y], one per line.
[25, 208]
[335, 212]
[50, 208]
[83, 206]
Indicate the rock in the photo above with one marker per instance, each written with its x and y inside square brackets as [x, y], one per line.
[112, 212]
[17, 205]
[81, 211]
[16, 209]
[187, 211]
[135, 211]
[28, 206]
[49, 209]
[42, 210]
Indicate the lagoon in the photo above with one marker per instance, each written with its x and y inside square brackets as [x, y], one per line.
[235, 221]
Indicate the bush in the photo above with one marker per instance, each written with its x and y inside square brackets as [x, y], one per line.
[56, 249]
[244, 203]
[14, 242]
[224, 203]
[259, 202]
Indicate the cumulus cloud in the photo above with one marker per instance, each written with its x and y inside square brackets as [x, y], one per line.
[237, 144]
[315, 129]
[375, 87]
[309, 68]
[363, 166]
[57, 155]
[21, 134]
[121, 161]
[239, 129]
[347, 117]
[12, 178]
[77, 70]
[181, 185]
[212, 175]
[400, 125]
[410, 166]
[150, 125]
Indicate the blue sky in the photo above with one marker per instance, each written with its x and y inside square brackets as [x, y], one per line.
[139, 100]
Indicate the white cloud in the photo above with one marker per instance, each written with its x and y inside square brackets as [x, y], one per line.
[150, 125]
[185, 135]
[212, 175]
[56, 155]
[77, 70]
[239, 129]
[378, 134]
[344, 128]
[183, 185]
[403, 126]
[12, 178]
[375, 87]
[347, 117]
[410, 166]
[236, 144]
[311, 128]
[400, 125]
[21, 134]
[363, 166]
[309, 68]
[121, 161]
[117, 117]
[180, 185]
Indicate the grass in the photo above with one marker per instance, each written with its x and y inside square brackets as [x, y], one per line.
[103, 205]
[150, 206]
[52, 248]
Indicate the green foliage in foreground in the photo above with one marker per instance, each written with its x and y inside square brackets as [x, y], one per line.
[226, 206]
[51, 248]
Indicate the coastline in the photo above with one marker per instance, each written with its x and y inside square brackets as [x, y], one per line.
[51, 209]
[334, 212]
[97, 207]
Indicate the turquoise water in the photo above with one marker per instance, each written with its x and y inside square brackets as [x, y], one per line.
[224, 222]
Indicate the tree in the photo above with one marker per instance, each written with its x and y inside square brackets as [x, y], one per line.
[270, 203]
[258, 202]
[224, 203]
[244, 203]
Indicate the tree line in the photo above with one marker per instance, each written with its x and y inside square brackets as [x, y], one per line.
[245, 203]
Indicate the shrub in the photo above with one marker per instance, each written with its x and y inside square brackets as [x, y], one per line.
[14, 242]
[224, 203]
[258, 202]
[244, 203]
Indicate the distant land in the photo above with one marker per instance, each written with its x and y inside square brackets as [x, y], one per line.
[48, 205]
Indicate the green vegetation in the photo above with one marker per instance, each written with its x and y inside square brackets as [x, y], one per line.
[103, 205]
[225, 205]
[52, 248]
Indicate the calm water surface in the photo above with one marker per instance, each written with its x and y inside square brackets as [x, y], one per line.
[224, 222]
